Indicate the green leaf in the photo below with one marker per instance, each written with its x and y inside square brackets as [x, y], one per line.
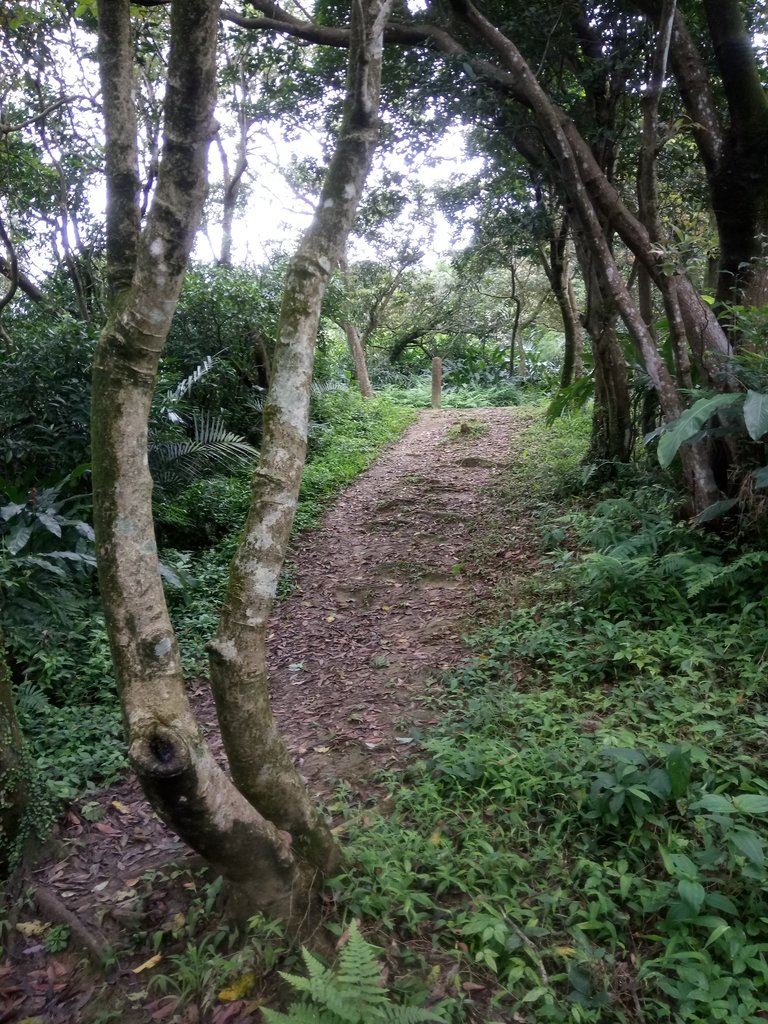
[692, 893]
[760, 476]
[756, 414]
[679, 771]
[690, 423]
[718, 901]
[751, 803]
[717, 933]
[50, 523]
[748, 842]
[625, 755]
[639, 793]
[714, 802]
[10, 511]
[534, 994]
[18, 539]
[715, 510]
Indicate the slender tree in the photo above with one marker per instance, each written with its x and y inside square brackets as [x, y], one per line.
[260, 828]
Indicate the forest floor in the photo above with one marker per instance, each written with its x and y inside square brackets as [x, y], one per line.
[408, 557]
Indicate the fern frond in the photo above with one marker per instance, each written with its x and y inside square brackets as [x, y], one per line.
[358, 967]
[315, 968]
[185, 386]
[353, 993]
[299, 1013]
[211, 449]
[326, 387]
[407, 1015]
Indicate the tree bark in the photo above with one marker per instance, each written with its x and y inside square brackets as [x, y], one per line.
[260, 764]
[276, 861]
[358, 357]
[611, 439]
[733, 153]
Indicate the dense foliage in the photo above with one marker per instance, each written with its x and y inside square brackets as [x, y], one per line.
[56, 643]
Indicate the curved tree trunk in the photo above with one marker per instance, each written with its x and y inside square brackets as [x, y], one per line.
[262, 832]
[557, 270]
[358, 356]
[611, 439]
[576, 166]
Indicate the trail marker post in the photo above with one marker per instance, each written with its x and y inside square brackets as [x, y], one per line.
[437, 382]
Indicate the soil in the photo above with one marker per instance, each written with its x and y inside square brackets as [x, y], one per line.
[407, 558]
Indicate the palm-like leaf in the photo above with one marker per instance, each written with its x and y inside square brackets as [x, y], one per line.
[211, 450]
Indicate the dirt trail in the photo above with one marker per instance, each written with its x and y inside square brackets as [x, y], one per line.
[406, 558]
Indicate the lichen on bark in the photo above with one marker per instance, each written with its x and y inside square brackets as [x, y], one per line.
[263, 832]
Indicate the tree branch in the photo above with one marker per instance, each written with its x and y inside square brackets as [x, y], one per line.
[747, 102]
[275, 19]
[115, 51]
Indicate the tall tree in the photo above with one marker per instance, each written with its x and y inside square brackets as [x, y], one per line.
[261, 828]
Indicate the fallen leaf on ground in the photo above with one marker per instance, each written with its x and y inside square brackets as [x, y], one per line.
[148, 964]
[239, 988]
[30, 928]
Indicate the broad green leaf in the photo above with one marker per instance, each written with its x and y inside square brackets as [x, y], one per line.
[85, 530]
[692, 893]
[751, 803]
[756, 414]
[679, 771]
[748, 842]
[683, 865]
[10, 511]
[18, 539]
[718, 901]
[534, 994]
[639, 793]
[690, 423]
[170, 576]
[760, 476]
[714, 802]
[50, 523]
[625, 755]
[715, 510]
[716, 934]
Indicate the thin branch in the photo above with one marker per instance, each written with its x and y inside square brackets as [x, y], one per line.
[6, 129]
[13, 267]
[115, 49]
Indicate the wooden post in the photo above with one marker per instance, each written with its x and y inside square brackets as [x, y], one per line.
[437, 381]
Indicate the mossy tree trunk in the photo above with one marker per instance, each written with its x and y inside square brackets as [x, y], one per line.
[260, 828]
[14, 772]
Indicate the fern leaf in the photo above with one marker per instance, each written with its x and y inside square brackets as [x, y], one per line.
[407, 1015]
[359, 970]
[315, 968]
[299, 1013]
[184, 386]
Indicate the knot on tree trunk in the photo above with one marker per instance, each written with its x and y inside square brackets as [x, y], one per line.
[159, 753]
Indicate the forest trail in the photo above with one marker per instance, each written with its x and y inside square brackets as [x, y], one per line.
[407, 559]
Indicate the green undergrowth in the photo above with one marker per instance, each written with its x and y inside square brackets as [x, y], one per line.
[584, 832]
[347, 434]
[419, 395]
[65, 684]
